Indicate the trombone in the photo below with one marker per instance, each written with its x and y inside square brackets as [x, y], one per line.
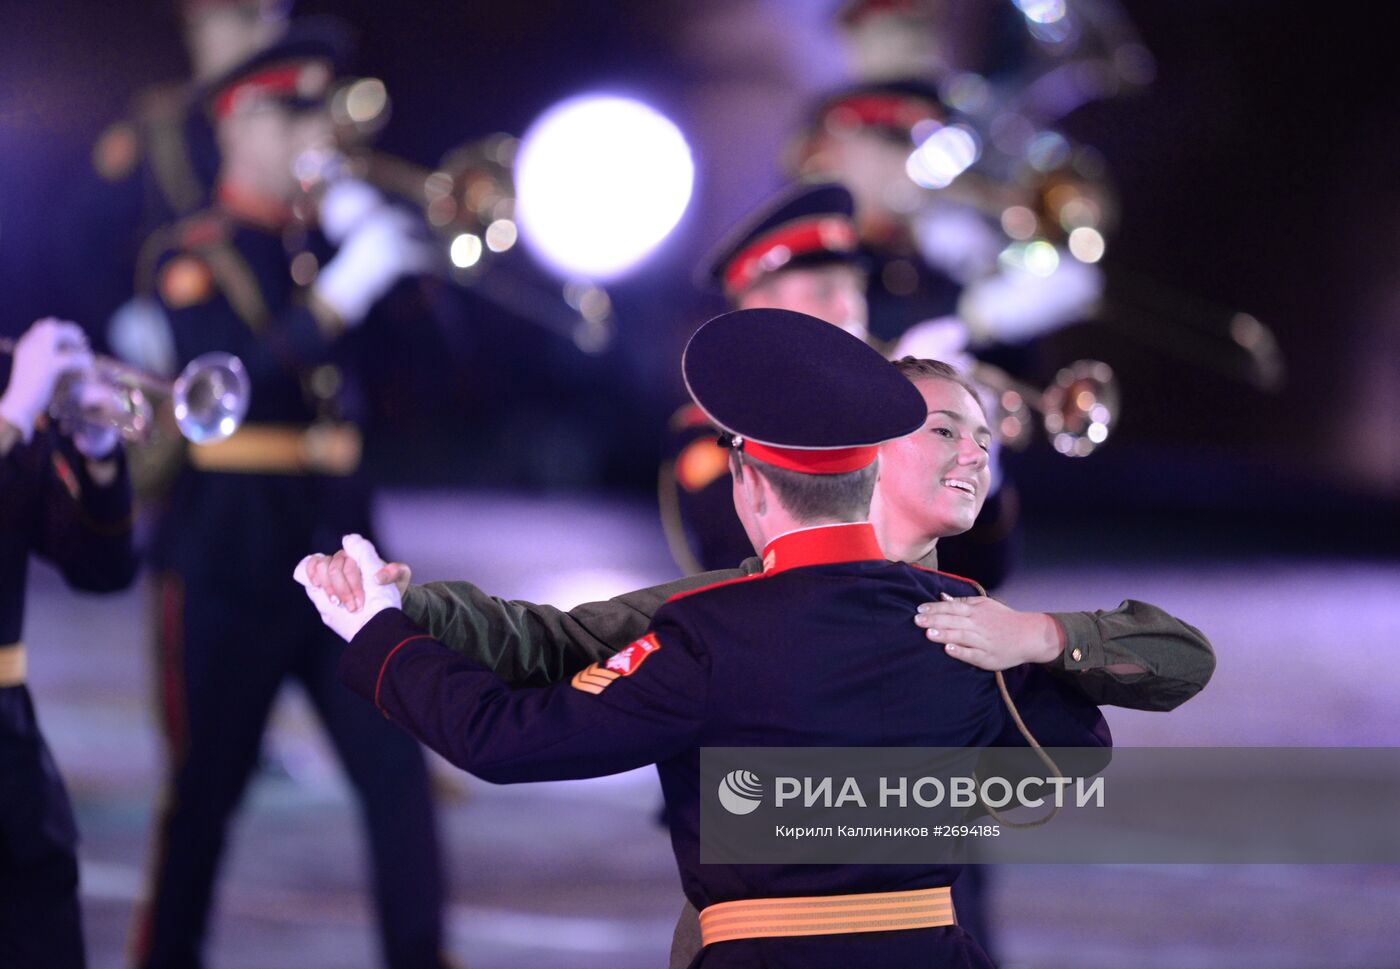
[209, 398]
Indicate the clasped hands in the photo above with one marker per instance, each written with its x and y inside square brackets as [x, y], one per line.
[334, 585]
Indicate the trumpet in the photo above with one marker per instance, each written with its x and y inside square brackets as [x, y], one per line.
[469, 201]
[209, 398]
[1077, 410]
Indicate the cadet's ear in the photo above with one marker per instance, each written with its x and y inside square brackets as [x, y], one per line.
[762, 489]
[751, 486]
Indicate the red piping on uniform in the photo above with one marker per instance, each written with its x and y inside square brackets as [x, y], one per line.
[716, 585]
[378, 680]
[171, 642]
[949, 575]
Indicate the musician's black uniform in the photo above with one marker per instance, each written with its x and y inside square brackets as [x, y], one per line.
[50, 507]
[230, 628]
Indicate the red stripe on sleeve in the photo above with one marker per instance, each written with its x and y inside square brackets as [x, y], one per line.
[379, 680]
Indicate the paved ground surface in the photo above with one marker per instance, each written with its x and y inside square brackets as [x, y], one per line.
[578, 875]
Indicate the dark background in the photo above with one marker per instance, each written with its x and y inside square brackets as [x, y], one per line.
[1256, 173]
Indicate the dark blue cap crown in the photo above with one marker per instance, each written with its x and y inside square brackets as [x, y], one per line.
[790, 381]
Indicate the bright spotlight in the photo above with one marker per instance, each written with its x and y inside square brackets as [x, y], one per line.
[602, 181]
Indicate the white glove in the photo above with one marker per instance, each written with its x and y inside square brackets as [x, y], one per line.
[47, 350]
[377, 597]
[957, 239]
[1014, 305]
[379, 251]
[944, 338]
[346, 203]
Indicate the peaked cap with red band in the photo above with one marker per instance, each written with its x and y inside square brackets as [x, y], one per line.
[796, 392]
[803, 225]
[300, 67]
[892, 107]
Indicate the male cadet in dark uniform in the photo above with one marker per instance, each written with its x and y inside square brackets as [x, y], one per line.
[243, 277]
[68, 501]
[799, 251]
[816, 650]
[1135, 656]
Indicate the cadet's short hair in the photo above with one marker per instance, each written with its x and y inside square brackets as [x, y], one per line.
[818, 497]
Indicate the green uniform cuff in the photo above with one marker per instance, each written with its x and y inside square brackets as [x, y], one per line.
[1083, 642]
[415, 604]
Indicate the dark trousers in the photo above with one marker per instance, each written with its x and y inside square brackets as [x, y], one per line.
[220, 663]
[946, 948]
[40, 925]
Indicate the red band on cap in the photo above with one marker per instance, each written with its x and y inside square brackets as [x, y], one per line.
[854, 13]
[278, 79]
[837, 461]
[898, 111]
[770, 252]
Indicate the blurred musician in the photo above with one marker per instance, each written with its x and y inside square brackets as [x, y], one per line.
[800, 251]
[67, 499]
[248, 276]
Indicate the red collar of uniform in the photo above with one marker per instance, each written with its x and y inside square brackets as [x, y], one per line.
[252, 207]
[774, 250]
[822, 545]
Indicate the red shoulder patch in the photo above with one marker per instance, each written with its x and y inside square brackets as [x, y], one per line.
[596, 677]
[625, 661]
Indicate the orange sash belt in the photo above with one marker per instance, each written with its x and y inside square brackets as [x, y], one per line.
[766, 918]
[331, 449]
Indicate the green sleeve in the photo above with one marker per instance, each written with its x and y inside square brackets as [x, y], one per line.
[1171, 660]
[527, 644]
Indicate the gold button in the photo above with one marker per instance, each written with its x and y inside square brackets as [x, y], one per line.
[1076, 654]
